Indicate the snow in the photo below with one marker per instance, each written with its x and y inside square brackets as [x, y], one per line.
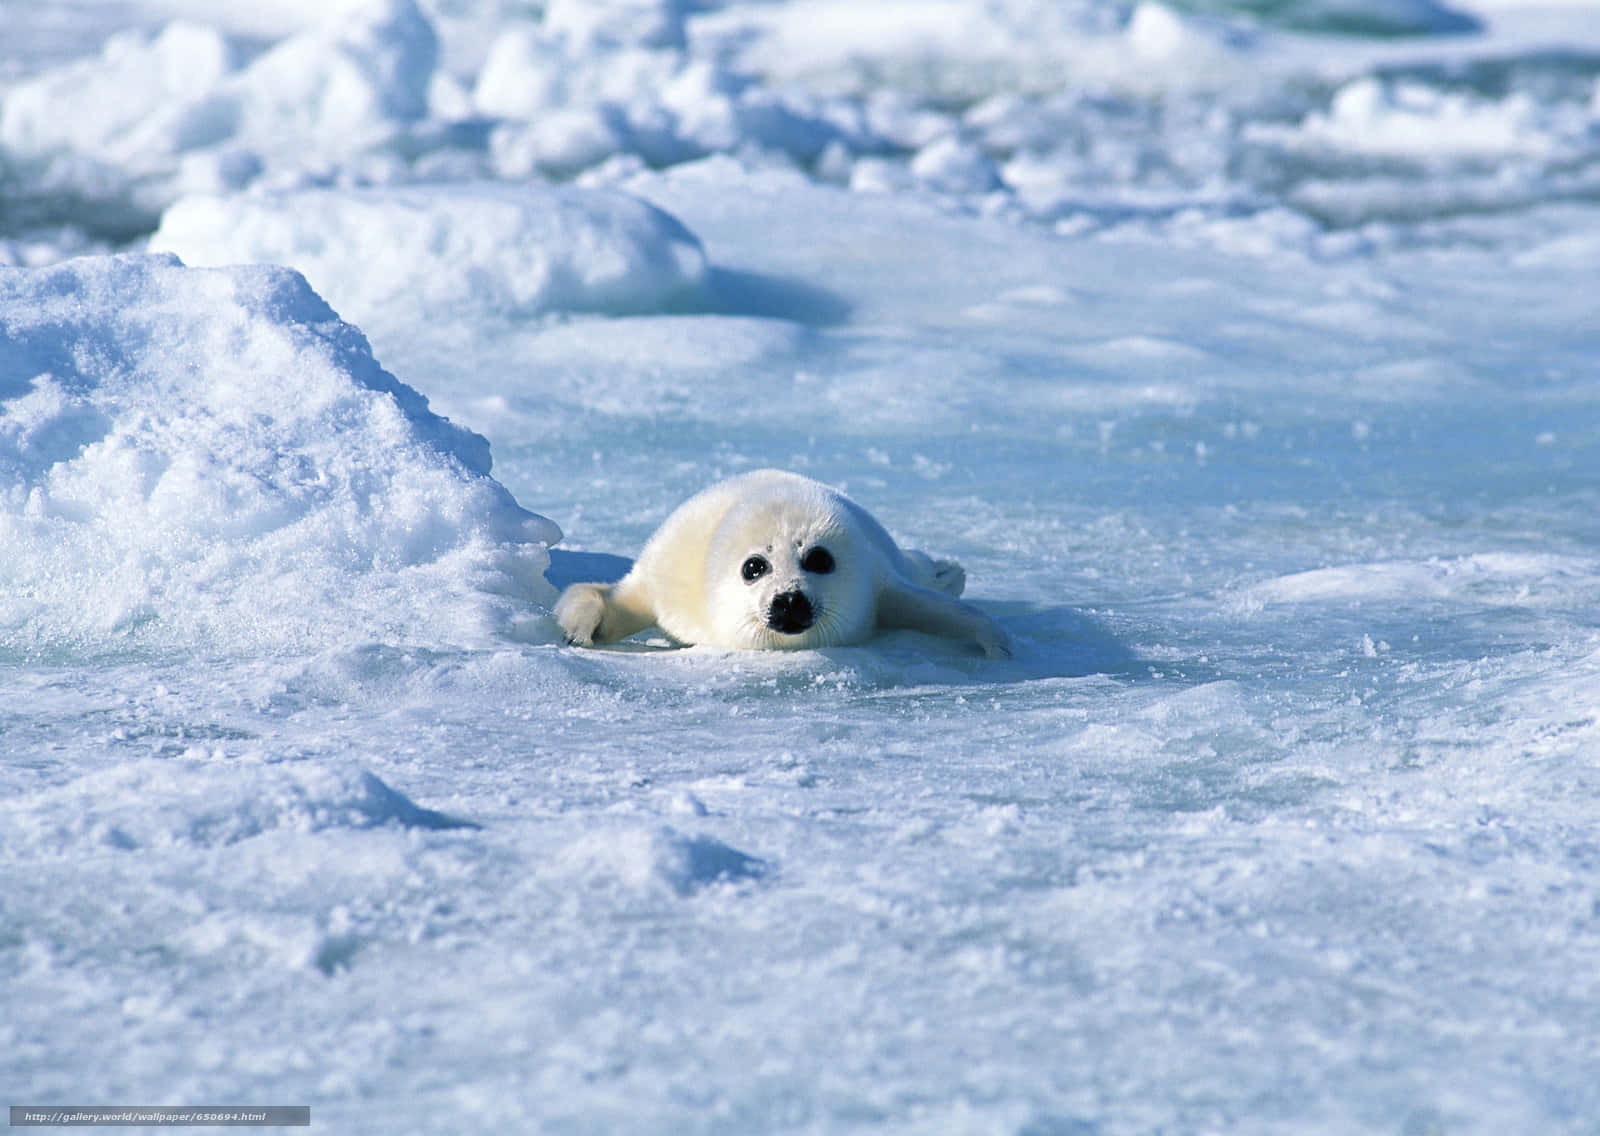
[196, 458]
[1242, 354]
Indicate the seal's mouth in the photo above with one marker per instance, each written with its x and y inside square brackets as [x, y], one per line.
[791, 613]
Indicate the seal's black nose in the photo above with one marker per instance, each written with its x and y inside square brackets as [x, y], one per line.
[790, 613]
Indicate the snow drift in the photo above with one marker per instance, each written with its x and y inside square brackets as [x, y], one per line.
[212, 456]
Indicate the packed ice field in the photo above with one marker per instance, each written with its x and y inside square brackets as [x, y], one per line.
[1245, 355]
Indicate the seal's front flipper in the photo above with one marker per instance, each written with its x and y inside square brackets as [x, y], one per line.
[601, 613]
[919, 609]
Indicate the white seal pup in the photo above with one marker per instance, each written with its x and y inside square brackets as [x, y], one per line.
[773, 560]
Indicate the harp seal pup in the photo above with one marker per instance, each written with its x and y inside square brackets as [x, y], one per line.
[771, 560]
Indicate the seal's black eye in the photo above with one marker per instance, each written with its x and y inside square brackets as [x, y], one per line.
[754, 568]
[819, 561]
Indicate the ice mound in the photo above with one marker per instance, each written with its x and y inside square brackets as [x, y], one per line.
[592, 81]
[352, 80]
[137, 93]
[1414, 121]
[188, 801]
[1413, 149]
[211, 457]
[646, 23]
[486, 250]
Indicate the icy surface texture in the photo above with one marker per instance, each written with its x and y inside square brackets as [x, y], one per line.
[1243, 353]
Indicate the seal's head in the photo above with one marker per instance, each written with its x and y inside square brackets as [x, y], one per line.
[789, 570]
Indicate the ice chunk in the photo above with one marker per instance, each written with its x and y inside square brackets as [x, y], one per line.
[529, 71]
[212, 456]
[559, 143]
[1414, 120]
[445, 252]
[661, 105]
[343, 85]
[646, 23]
[142, 93]
[149, 103]
[953, 166]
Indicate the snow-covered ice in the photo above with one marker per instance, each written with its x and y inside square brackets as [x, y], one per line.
[1243, 353]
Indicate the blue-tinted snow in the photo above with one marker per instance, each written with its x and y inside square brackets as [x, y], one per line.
[1244, 355]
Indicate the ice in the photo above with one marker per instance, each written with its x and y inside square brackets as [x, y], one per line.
[591, 23]
[117, 104]
[189, 108]
[478, 251]
[1242, 353]
[1081, 116]
[953, 166]
[1417, 121]
[570, 98]
[559, 143]
[347, 84]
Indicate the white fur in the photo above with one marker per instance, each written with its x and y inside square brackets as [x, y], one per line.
[688, 579]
